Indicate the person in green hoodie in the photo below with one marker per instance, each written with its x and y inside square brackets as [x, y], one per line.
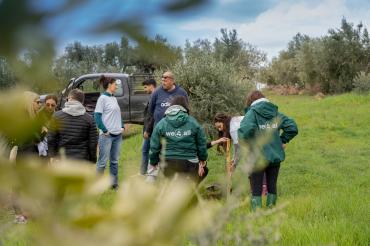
[185, 150]
[266, 131]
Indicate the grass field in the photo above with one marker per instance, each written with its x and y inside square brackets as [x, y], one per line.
[325, 180]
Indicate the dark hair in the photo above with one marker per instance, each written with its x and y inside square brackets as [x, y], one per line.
[77, 95]
[105, 81]
[182, 101]
[52, 96]
[253, 96]
[150, 82]
[225, 119]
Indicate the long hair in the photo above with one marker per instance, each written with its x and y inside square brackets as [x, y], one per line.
[29, 98]
[225, 119]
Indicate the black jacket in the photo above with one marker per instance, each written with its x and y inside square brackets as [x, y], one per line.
[148, 120]
[76, 134]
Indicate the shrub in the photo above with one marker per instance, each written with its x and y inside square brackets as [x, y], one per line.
[213, 86]
[362, 83]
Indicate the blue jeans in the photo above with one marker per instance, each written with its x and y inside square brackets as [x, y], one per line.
[145, 156]
[109, 146]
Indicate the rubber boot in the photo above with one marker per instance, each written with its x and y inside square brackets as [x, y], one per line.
[256, 202]
[271, 200]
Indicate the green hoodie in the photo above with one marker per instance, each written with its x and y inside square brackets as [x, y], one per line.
[263, 119]
[185, 138]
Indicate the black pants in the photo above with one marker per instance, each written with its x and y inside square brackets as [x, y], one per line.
[271, 178]
[184, 168]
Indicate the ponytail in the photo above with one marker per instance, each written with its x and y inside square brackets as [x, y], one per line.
[105, 81]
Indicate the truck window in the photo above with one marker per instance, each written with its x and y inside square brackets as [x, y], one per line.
[137, 84]
[92, 86]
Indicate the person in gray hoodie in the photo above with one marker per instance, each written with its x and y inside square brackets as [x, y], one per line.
[74, 130]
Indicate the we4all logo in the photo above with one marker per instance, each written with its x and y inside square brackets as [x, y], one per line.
[178, 133]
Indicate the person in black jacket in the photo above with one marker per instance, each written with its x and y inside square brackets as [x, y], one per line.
[74, 130]
[149, 87]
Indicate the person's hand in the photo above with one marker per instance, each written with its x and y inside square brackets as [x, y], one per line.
[106, 133]
[122, 130]
[283, 145]
[201, 170]
[146, 135]
[220, 140]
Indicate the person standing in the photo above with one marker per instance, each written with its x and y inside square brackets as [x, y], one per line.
[46, 114]
[161, 98]
[109, 121]
[263, 122]
[74, 130]
[27, 147]
[149, 87]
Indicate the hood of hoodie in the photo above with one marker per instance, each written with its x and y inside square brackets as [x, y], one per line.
[74, 108]
[264, 108]
[176, 115]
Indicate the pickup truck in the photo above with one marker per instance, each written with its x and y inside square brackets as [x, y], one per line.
[130, 93]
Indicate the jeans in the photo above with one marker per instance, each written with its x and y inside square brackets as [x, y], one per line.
[145, 156]
[109, 146]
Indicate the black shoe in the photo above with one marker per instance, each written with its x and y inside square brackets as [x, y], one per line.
[114, 187]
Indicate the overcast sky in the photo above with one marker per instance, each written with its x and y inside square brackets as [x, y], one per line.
[267, 24]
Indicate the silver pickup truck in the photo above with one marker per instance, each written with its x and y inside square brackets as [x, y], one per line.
[130, 93]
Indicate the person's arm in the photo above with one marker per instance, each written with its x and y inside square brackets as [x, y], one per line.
[98, 113]
[155, 146]
[236, 154]
[218, 141]
[289, 127]
[93, 141]
[149, 125]
[152, 102]
[99, 122]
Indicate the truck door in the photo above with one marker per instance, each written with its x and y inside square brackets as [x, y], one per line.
[123, 97]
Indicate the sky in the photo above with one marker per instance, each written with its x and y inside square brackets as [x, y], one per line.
[266, 24]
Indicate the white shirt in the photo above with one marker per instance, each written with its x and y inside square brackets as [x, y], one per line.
[234, 127]
[111, 113]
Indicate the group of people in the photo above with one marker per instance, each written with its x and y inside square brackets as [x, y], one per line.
[185, 147]
[167, 117]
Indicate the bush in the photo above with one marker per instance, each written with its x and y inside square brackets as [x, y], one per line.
[362, 83]
[213, 86]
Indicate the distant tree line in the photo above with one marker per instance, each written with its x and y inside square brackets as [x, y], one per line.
[335, 63]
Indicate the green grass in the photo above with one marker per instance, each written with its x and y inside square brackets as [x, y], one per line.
[325, 180]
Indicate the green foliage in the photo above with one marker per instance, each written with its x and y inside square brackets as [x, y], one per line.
[218, 75]
[7, 78]
[213, 86]
[146, 56]
[362, 83]
[332, 61]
